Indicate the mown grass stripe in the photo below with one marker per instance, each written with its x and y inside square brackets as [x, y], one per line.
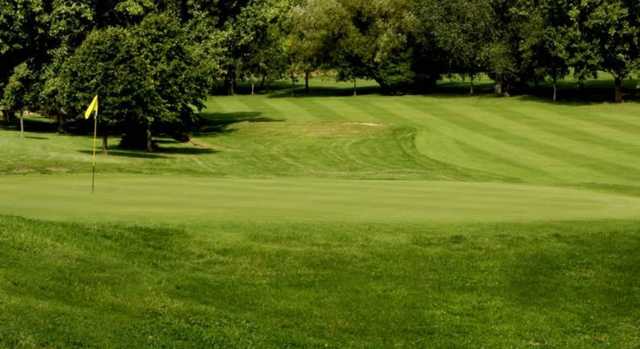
[293, 111]
[229, 104]
[520, 124]
[584, 128]
[510, 165]
[258, 104]
[539, 147]
[612, 123]
[347, 110]
[318, 107]
[376, 107]
[463, 133]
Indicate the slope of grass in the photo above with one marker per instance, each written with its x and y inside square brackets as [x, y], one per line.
[569, 285]
[372, 137]
[331, 221]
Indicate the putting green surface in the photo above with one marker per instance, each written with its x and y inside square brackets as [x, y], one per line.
[189, 200]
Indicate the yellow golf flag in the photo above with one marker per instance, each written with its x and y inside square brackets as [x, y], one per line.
[93, 107]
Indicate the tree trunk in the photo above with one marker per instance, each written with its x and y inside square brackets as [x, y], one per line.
[59, 122]
[8, 116]
[555, 89]
[232, 86]
[230, 81]
[149, 140]
[618, 90]
[306, 82]
[105, 142]
[293, 85]
[253, 87]
[21, 124]
[506, 87]
[498, 88]
[263, 82]
[355, 87]
[471, 91]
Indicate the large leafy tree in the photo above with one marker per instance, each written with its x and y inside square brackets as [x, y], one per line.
[17, 92]
[461, 28]
[605, 36]
[365, 38]
[503, 50]
[309, 44]
[22, 36]
[546, 39]
[256, 42]
[144, 77]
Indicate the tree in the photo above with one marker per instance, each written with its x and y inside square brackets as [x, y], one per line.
[16, 93]
[367, 38]
[503, 49]
[22, 24]
[545, 40]
[144, 77]
[256, 41]
[606, 35]
[309, 44]
[461, 28]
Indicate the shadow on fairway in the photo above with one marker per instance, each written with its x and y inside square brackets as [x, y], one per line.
[185, 151]
[325, 92]
[32, 125]
[591, 92]
[596, 93]
[221, 122]
[160, 153]
[127, 154]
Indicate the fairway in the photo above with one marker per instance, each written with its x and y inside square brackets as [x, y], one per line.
[368, 222]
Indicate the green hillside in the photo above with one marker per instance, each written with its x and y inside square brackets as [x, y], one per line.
[331, 222]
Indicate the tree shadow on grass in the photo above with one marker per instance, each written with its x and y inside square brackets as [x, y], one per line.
[39, 125]
[185, 151]
[209, 123]
[127, 153]
[462, 89]
[160, 153]
[323, 91]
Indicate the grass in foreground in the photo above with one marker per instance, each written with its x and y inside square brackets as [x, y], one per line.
[556, 285]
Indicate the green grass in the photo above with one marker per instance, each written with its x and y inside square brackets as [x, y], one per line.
[329, 221]
[189, 201]
[238, 284]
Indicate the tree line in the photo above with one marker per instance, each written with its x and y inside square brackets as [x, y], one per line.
[153, 62]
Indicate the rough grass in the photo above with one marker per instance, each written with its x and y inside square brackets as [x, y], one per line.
[556, 285]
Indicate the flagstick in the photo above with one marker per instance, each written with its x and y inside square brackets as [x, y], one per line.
[95, 136]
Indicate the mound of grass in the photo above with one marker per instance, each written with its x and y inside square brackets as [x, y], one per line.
[560, 285]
